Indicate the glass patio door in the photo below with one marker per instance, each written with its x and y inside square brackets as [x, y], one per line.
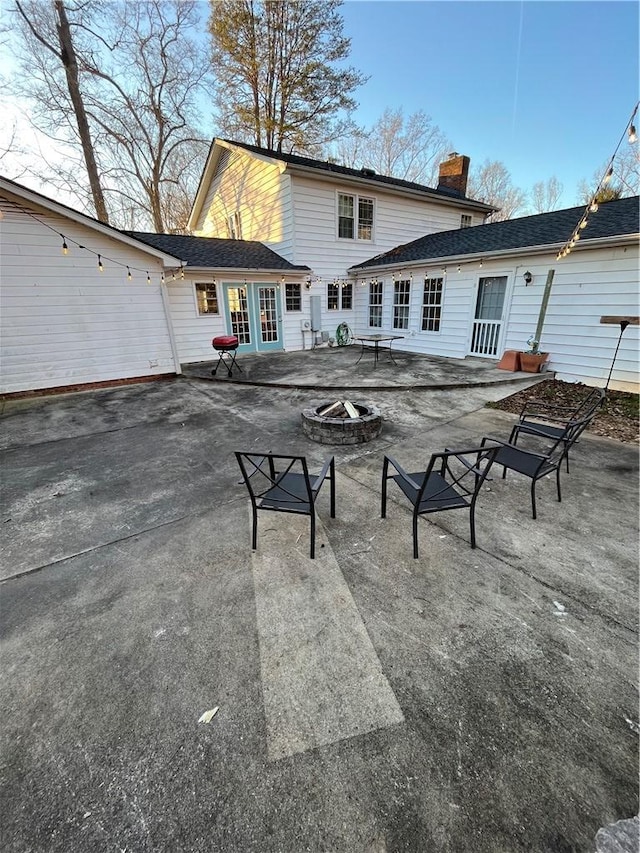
[487, 324]
[254, 316]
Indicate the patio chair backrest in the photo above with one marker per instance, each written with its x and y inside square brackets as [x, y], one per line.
[266, 476]
[462, 471]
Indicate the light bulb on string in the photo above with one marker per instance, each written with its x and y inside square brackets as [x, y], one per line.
[609, 175]
[459, 267]
[65, 248]
[129, 276]
[633, 136]
[148, 278]
[584, 223]
[100, 267]
[593, 207]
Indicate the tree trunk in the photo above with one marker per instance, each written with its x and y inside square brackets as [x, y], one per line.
[68, 56]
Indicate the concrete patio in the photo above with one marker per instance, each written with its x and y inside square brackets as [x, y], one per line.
[469, 701]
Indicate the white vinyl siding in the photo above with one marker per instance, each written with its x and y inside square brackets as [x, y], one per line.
[62, 322]
[252, 199]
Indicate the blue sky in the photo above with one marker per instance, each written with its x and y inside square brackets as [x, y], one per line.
[546, 87]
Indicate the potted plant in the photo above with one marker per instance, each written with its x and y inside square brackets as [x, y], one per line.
[531, 360]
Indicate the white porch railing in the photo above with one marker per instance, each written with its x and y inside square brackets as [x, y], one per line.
[484, 337]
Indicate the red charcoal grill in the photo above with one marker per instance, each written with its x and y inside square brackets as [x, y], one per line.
[226, 345]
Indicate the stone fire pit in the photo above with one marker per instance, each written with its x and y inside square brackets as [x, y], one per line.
[342, 422]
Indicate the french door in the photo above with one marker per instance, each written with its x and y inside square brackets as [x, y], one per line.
[254, 315]
[487, 323]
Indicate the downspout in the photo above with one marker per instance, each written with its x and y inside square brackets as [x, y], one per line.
[543, 306]
[172, 337]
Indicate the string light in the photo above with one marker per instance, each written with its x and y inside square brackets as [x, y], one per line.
[592, 205]
[148, 278]
[480, 263]
[66, 241]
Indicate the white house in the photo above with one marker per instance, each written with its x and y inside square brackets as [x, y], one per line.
[234, 286]
[480, 291]
[323, 215]
[84, 303]
[80, 302]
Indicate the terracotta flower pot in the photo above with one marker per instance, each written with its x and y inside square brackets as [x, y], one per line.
[532, 362]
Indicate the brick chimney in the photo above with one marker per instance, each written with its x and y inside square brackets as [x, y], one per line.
[454, 173]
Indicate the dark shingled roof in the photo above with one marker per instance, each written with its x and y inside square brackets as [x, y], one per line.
[613, 219]
[362, 174]
[216, 253]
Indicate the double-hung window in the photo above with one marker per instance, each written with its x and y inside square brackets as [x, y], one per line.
[355, 217]
[432, 304]
[466, 220]
[292, 296]
[375, 304]
[401, 295]
[339, 296]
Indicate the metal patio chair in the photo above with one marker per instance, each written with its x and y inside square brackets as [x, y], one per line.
[283, 484]
[548, 421]
[452, 480]
[536, 465]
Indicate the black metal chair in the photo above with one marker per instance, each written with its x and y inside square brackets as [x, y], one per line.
[283, 484]
[548, 421]
[452, 481]
[534, 464]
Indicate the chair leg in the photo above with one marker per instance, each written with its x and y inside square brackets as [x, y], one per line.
[533, 497]
[333, 490]
[313, 534]
[472, 524]
[558, 483]
[254, 538]
[415, 535]
[383, 507]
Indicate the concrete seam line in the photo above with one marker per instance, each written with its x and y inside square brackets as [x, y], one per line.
[104, 545]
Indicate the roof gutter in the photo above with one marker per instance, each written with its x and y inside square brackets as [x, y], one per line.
[241, 270]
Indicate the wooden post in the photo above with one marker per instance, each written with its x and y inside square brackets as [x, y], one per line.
[543, 305]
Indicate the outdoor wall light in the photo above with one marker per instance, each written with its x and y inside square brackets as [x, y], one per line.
[528, 278]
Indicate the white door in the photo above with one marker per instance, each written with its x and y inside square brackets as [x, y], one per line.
[487, 323]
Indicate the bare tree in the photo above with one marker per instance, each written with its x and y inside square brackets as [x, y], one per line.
[64, 51]
[141, 71]
[546, 195]
[625, 180]
[492, 184]
[282, 62]
[410, 148]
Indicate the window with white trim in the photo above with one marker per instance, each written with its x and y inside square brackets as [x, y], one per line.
[375, 304]
[293, 296]
[466, 220]
[339, 295]
[401, 296]
[432, 304]
[207, 298]
[234, 226]
[355, 217]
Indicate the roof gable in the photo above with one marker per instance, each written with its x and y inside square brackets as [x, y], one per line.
[613, 219]
[49, 205]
